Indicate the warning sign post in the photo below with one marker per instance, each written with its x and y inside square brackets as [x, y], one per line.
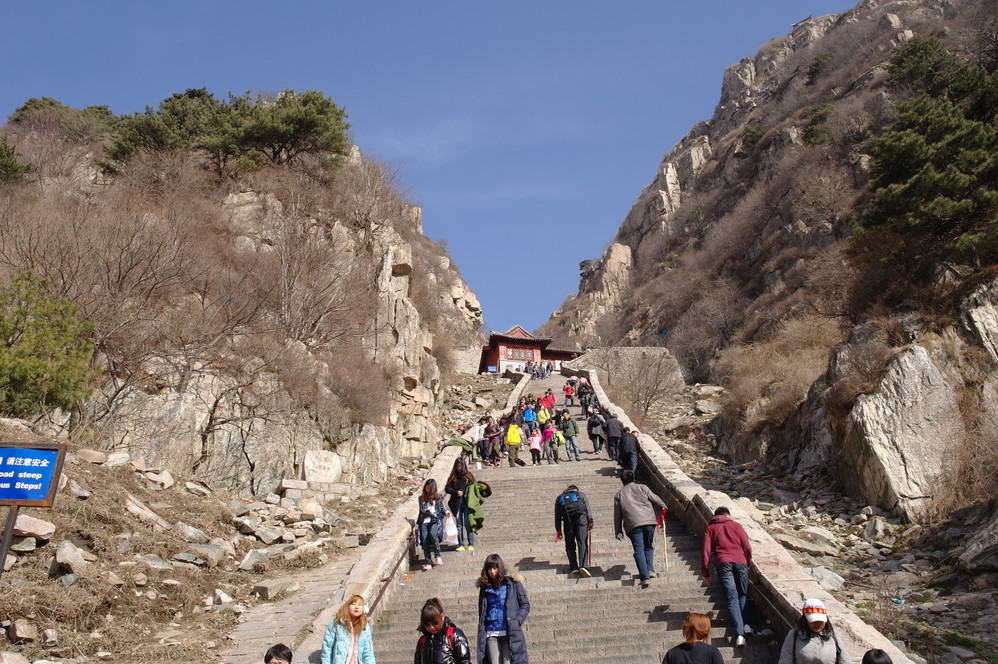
[29, 476]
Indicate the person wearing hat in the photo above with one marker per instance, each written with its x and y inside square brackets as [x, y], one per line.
[813, 641]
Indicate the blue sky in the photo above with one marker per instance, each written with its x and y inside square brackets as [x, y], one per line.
[525, 129]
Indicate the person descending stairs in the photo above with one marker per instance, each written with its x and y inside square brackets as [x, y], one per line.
[573, 619]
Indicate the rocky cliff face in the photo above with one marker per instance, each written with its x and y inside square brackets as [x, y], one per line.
[734, 257]
[252, 412]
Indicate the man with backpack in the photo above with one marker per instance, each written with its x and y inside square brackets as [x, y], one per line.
[573, 517]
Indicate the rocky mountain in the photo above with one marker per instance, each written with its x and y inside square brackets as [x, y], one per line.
[292, 321]
[742, 257]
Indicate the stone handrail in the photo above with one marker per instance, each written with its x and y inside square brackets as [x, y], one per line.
[374, 569]
[777, 579]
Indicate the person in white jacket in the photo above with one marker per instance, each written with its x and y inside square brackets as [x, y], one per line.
[814, 641]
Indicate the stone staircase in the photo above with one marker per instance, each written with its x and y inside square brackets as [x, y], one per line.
[572, 620]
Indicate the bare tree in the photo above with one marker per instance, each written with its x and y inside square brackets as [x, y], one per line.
[644, 377]
[322, 289]
[367, 196]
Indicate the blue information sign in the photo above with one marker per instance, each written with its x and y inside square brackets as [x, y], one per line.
[28, 473]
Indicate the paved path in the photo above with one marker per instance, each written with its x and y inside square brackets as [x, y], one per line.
[572, 620]
[282, 621]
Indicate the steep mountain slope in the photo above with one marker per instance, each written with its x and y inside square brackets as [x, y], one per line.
[737, 256]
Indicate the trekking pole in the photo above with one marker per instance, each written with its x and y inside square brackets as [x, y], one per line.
[589, 548]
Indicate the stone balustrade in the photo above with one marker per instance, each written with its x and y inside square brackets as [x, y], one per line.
[779, 584]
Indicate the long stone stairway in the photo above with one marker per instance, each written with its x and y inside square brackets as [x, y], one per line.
[572, 620]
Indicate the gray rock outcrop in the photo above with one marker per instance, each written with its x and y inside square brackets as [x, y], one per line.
[895, 439]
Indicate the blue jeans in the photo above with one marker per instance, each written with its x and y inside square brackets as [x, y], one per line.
[571, 448]
[643, 540]
[429, 537]
[734, 580]
[463, 518]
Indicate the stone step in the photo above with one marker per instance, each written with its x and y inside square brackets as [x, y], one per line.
[573, 620]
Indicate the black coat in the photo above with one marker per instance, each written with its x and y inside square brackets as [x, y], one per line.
[629, 443]
[517, 608]
[440, 648]
[455, 501]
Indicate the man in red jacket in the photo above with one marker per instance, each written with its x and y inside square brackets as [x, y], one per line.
[727, 542]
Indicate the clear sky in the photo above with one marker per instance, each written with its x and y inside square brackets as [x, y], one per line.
[525, 129]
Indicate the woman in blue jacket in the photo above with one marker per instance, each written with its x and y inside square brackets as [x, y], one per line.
[502, 608]
[348, 636]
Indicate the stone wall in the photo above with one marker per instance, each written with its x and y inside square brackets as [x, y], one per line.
[780, 585]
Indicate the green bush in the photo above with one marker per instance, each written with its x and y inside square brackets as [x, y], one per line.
[815, 132]
[51, 116]
[45, 349]
[12, 171]
[239, 133]
[817, 67]
[751, 137]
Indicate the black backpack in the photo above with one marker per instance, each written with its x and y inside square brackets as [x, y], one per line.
[572, 505]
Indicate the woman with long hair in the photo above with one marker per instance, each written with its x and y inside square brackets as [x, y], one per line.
[431, 523]
[697, 649]
[348, 636]
[441, 641]
[457, 489]
[502, 608]
[813, 641]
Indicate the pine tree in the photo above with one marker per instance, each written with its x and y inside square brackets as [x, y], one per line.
[45, 349]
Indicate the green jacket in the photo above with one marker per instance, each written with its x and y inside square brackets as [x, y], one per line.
[568, 427]
[460, 442]
[474, 497]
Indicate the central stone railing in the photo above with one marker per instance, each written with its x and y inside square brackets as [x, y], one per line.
[779, 584]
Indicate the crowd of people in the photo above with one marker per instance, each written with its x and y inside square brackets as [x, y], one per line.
[503, 604]
[503, 607]
[550, 433]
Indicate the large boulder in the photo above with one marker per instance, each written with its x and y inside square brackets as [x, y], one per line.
[895, 439]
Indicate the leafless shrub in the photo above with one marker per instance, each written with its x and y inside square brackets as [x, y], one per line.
[360, 383]
[367, 195]
[860, 367]
[971, 476]
[705, 327]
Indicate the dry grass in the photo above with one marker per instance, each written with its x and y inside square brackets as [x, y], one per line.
[768, 379]
[92, 614]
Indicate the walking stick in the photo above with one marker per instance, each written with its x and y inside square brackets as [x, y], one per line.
[665, 542]
[589, 548]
